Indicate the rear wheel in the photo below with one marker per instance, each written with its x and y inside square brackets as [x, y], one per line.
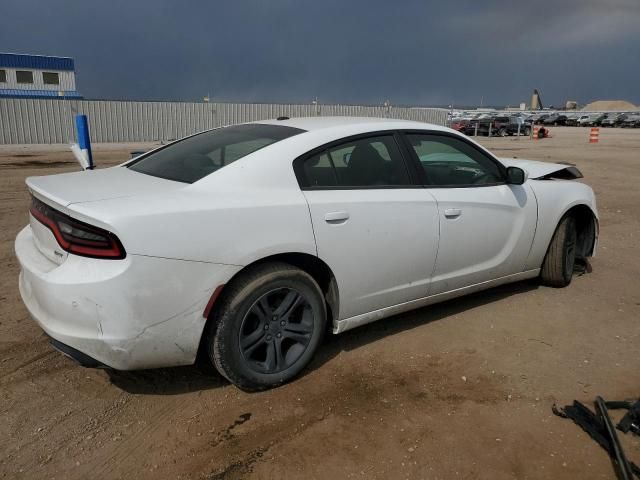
[502, 132]
[527, 131]
[267, 327]
[557, 268]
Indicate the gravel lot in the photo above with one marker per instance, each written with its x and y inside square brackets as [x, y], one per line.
[459, 390]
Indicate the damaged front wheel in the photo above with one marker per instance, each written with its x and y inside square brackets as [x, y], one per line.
[557, 268]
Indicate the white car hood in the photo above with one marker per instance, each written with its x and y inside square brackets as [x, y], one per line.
[103, 184]
[536, 169]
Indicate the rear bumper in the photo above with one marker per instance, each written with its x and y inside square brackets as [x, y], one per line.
[139, 312]
[83, 359]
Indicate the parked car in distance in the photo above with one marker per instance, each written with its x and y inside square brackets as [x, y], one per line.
[539, 118]
[590, 120]
[459, 124]
[480, 127]
[631, 121]
[610, 120]
[507, 126]
[555, 119]
[581, 119]
[244, 243]
[572, 120]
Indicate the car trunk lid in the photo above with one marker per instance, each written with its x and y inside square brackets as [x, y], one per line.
[61, 191]
[93, 185]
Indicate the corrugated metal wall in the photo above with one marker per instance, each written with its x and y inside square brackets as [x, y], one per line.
[52, 121]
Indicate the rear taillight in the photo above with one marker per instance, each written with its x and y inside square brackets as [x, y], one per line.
[75, 236]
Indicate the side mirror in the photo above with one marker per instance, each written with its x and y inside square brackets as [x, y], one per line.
[516, 176]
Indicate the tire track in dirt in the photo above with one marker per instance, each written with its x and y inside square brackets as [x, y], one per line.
[111, 464]
[27, 363]
[370, 394]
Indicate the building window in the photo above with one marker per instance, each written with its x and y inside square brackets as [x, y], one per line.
[50, 78]
[24, 76]
[3, 76]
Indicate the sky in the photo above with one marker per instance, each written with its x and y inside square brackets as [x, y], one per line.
[456, 52]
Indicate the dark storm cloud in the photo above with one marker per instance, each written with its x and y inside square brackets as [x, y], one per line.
[410, 52]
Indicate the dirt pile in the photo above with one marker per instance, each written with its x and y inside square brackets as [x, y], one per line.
[610, 105]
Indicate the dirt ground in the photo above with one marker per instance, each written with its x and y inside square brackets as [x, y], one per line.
[458, 390]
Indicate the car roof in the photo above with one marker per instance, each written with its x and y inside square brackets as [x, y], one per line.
[311, 124]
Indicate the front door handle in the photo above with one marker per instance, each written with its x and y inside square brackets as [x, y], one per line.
[452, 212]
[336, 217]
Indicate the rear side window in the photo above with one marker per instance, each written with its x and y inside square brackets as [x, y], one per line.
[370, 162]
[195, 157]
[319, 172]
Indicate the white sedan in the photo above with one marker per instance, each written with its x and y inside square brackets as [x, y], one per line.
[245, 243]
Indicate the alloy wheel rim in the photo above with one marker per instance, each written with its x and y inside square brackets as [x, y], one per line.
[276, 331]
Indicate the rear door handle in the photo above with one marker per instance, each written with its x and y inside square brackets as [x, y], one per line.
[336, 217]
[452, 212]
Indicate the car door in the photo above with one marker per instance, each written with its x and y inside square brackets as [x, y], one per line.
[375, 227]
[486, 226]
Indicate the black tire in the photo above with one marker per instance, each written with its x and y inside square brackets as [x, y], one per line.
[502, 132]
[527, 131]
[253, 339]
[557, 268]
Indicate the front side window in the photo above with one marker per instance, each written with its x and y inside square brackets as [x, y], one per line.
[3, 76]
[50, 78]
[195, 157]
[449, 162]
[24, 76]
[369, 162]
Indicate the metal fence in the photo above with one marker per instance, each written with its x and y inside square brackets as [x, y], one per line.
[51, 121]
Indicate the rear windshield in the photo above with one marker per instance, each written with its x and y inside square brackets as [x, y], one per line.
[195, 157]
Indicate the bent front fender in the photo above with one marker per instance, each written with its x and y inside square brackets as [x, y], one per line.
[555, 198]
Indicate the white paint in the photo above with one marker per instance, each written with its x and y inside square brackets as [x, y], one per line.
[490, 238]
[389, 249]
[127, 314]
[359, 320]
[384, 252]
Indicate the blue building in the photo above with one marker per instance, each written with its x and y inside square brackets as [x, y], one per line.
[37, 76]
